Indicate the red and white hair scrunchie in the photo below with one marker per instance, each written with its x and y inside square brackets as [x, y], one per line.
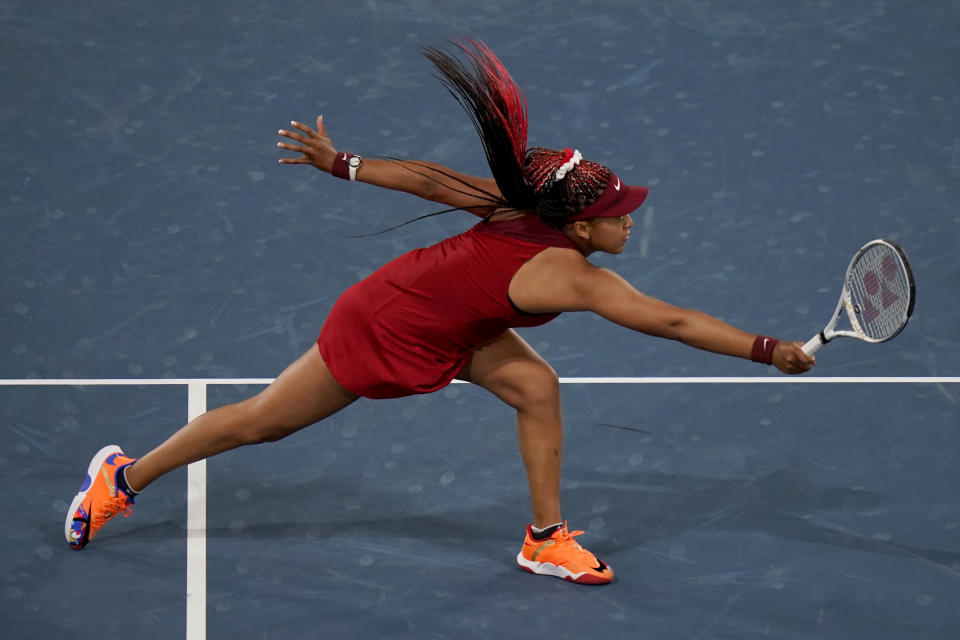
[571, 158]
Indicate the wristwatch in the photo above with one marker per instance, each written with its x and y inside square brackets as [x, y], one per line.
[345, 166]
[354, 162]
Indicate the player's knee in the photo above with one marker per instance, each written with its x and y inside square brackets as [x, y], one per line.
[538, 387]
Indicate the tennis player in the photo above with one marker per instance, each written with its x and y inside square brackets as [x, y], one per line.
[449, 311]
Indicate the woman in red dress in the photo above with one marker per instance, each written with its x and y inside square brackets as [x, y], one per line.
[448, 311]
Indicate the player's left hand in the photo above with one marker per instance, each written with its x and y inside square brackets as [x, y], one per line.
[790, 358]
[315, 147]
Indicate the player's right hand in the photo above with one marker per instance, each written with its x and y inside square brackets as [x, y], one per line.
[790, 358]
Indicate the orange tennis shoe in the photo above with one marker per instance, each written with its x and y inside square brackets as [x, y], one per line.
[99, 499]
[561, 556]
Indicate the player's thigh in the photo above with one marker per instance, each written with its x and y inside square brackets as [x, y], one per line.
[304, 393]
[512, 370]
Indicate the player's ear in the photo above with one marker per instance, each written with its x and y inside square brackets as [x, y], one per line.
[581, 229]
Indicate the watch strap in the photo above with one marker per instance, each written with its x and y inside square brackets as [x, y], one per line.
[353, 164]
[340, 168]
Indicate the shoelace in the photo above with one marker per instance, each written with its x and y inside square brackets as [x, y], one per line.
[111, 507]
[564, 536]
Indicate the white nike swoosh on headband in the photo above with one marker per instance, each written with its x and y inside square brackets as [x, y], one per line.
[617, 186]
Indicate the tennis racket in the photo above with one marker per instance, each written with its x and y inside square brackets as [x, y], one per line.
[878, 294]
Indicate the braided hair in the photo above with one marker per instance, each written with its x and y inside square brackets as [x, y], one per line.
[560, 197]
[527, 179]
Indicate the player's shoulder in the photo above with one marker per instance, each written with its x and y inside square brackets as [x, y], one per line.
[558, 263]
[560, 267]
[563, 257]
[557, 279]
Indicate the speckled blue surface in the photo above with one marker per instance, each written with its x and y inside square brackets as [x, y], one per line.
[148, 232]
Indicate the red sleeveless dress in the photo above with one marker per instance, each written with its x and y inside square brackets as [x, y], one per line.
[411, 325]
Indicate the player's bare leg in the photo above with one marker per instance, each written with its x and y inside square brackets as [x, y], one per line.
[515, 373]
[510, 369]
[303, 394]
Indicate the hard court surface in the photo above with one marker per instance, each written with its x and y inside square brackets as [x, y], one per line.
[150, 235]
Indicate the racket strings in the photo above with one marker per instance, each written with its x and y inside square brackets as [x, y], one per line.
[880, 292]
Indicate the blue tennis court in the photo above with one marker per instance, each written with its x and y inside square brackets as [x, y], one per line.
[159, 262]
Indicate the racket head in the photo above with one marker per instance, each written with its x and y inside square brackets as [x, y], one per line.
[879, 291]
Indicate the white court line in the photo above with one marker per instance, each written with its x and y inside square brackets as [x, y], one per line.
[766, 380]
[128, 382]
[196, 527]
[133, 382]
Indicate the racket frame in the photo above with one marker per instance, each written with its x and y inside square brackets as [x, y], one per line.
[846, 303]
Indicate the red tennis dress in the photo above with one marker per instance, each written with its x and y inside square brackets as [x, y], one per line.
[411, 325]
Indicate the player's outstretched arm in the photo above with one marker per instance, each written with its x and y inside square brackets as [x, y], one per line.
[585, 287]
[614, 298]
[427, 180]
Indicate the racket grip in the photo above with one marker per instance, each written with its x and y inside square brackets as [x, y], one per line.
[813, 345]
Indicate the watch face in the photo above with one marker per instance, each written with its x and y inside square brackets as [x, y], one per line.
[354, 161]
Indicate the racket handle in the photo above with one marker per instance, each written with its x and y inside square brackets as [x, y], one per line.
[813, 345]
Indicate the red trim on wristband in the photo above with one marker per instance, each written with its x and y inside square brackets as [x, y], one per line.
[763, 349]
[340, 168]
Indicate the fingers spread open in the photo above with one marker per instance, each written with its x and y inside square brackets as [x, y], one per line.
[299, 125]
[292, 135]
